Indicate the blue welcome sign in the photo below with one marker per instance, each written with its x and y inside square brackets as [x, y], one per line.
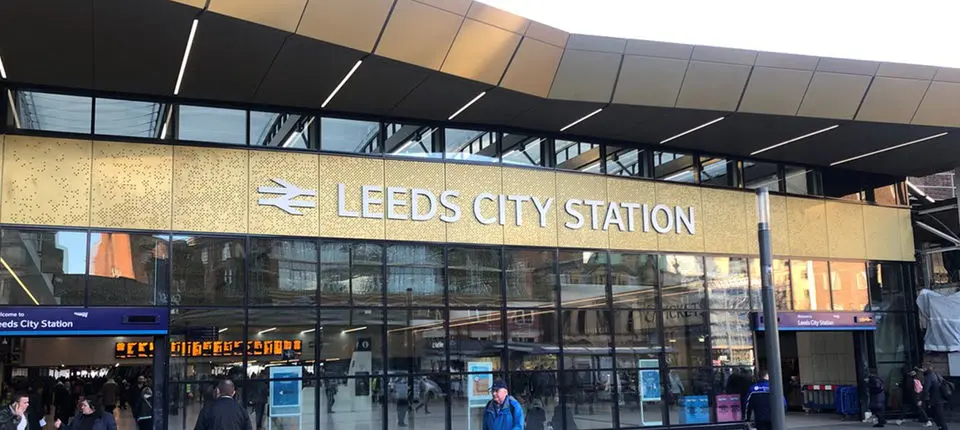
[75, 321]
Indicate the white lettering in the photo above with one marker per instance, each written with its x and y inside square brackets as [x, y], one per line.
[477, 210]
[660, 228]
[518, 207]
[395, 200]
[342, 203]
[502, 209]
[569, 206]
[631, 224]
[646, 218]
[450, 205]
[594, 218]
[685, 219]
[542, 208]
[613, 217]
[415, 204]
[366, 200]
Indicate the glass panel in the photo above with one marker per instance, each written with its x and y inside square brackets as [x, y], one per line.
[350, 336]
[281, 130]
[207, 124]
[475, 335]
[350, 403]
[344, 135]
[51, 112]
[45, 267]
[586, 338]
[282, 272]
[636, 335]
[758, 174]
[781, 284]
[474, 277]
[284, 336]
[727, 283]
[901, 398]
[588, 394]
[471, 145]
[351, 273]
[685, 329]
[731, 338]
[626, 162]
[534, 341]
[531, 277]
[257, 397]
[635, 280]
[797, 180]
[416, 341]
[522, 150]
[811, 286]
[583, 276]
[642, 396]
[130, 118]
[674, 167]
[537, 391]
[691, 393]
[129, 269]
[222, 355]
[683, 286]
[892, 343]
[849, 283]
[685, 337]
[207, 271]
[719, 172]
[415, 275]
[406, 140]
[887, 287]
[579, 156]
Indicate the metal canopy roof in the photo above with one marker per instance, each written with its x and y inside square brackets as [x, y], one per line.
[424, 59]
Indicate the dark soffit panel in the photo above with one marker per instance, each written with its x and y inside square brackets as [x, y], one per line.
[921, 159]
[497, 107]
[138, 46]
[849, 140]
[229, 59]
[305, 72]
[438, 97]
[377, 86]
[552, 115]
[741, 134]
[48, 42]
[646, 125]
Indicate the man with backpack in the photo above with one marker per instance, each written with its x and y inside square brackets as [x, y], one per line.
[878, 397]
[503, 412]
[936, 392]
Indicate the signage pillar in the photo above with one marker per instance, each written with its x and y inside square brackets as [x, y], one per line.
[771, 326]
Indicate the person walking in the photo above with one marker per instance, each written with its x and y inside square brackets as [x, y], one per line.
[89, 418]
[14, 417]
[143, 405]
[913, 394]
[537, 418]
[933, 394]
[878, 397]
[758, 404]
[225, 413]
[503, 412]
[108, 393]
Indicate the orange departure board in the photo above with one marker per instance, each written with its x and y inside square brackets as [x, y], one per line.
[211, 348]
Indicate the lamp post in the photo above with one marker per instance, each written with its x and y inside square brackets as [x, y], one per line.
[770, 323]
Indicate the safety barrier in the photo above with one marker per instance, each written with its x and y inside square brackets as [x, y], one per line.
[819, 398]
[848, 402]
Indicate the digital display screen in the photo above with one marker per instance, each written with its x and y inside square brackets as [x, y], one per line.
[212, 348]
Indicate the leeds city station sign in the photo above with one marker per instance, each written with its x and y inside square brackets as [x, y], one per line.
[449, 206]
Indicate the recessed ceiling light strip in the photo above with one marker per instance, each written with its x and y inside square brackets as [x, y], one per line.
[478, 97]
[693, 130]
[186, 55]
[787, 142]
[869, 154]
[581, 119]
[3, 71]
[342, 82]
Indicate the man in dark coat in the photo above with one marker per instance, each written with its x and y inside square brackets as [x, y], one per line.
[878, 397]
[225, 413]
[933, 395]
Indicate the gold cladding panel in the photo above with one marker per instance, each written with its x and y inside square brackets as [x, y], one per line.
[132, 186]
[46, 181]
[470, 181]
[281, 14]
[354, 24]
[298, 169]
[722, 223]
[807, 221]
[210, 189]
[582, 187]
[882, 230]
[409, 175]
[533, 67]
[907, 246]
[845, 230]
[418, 34]
[353, 172]
[779, 230]
[541, 184]
[632, 191]
[498, 17]
[480, 52]
[673, 195]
